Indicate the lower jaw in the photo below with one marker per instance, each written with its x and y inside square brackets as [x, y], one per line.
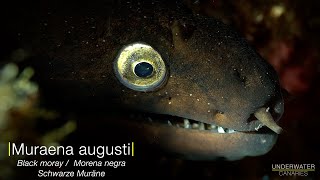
[185, 143]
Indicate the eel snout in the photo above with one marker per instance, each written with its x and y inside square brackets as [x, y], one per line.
[265, 117]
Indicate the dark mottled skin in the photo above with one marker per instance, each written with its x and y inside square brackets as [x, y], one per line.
[214, 75]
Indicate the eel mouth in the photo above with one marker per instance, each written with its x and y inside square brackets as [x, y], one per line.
[263, 115]
[178, 122]
[195, 140]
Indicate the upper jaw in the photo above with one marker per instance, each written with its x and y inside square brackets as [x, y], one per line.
[185, 122]
[260, 118]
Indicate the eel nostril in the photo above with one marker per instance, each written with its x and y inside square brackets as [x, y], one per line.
[268, 115]
[264, 116]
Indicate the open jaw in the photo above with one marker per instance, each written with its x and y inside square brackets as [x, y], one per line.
[195, 140]
[179, 122]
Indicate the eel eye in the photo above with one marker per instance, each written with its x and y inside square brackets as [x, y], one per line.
[139, 67]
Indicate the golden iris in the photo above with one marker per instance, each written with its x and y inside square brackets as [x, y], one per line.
[140, 67]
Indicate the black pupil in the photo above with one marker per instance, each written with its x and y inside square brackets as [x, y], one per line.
[143, 69]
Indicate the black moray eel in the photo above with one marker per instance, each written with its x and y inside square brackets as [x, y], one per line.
[203, 92]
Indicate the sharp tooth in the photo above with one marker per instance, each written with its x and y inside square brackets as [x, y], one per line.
[221, 130]
[195, 126]
[213, 126]
[201, 127]
[186, 123]
[268, 108]
[259, 126]
[266, 119]
[231, 131]
[178, 125]
[149, 118]
[169, 123]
